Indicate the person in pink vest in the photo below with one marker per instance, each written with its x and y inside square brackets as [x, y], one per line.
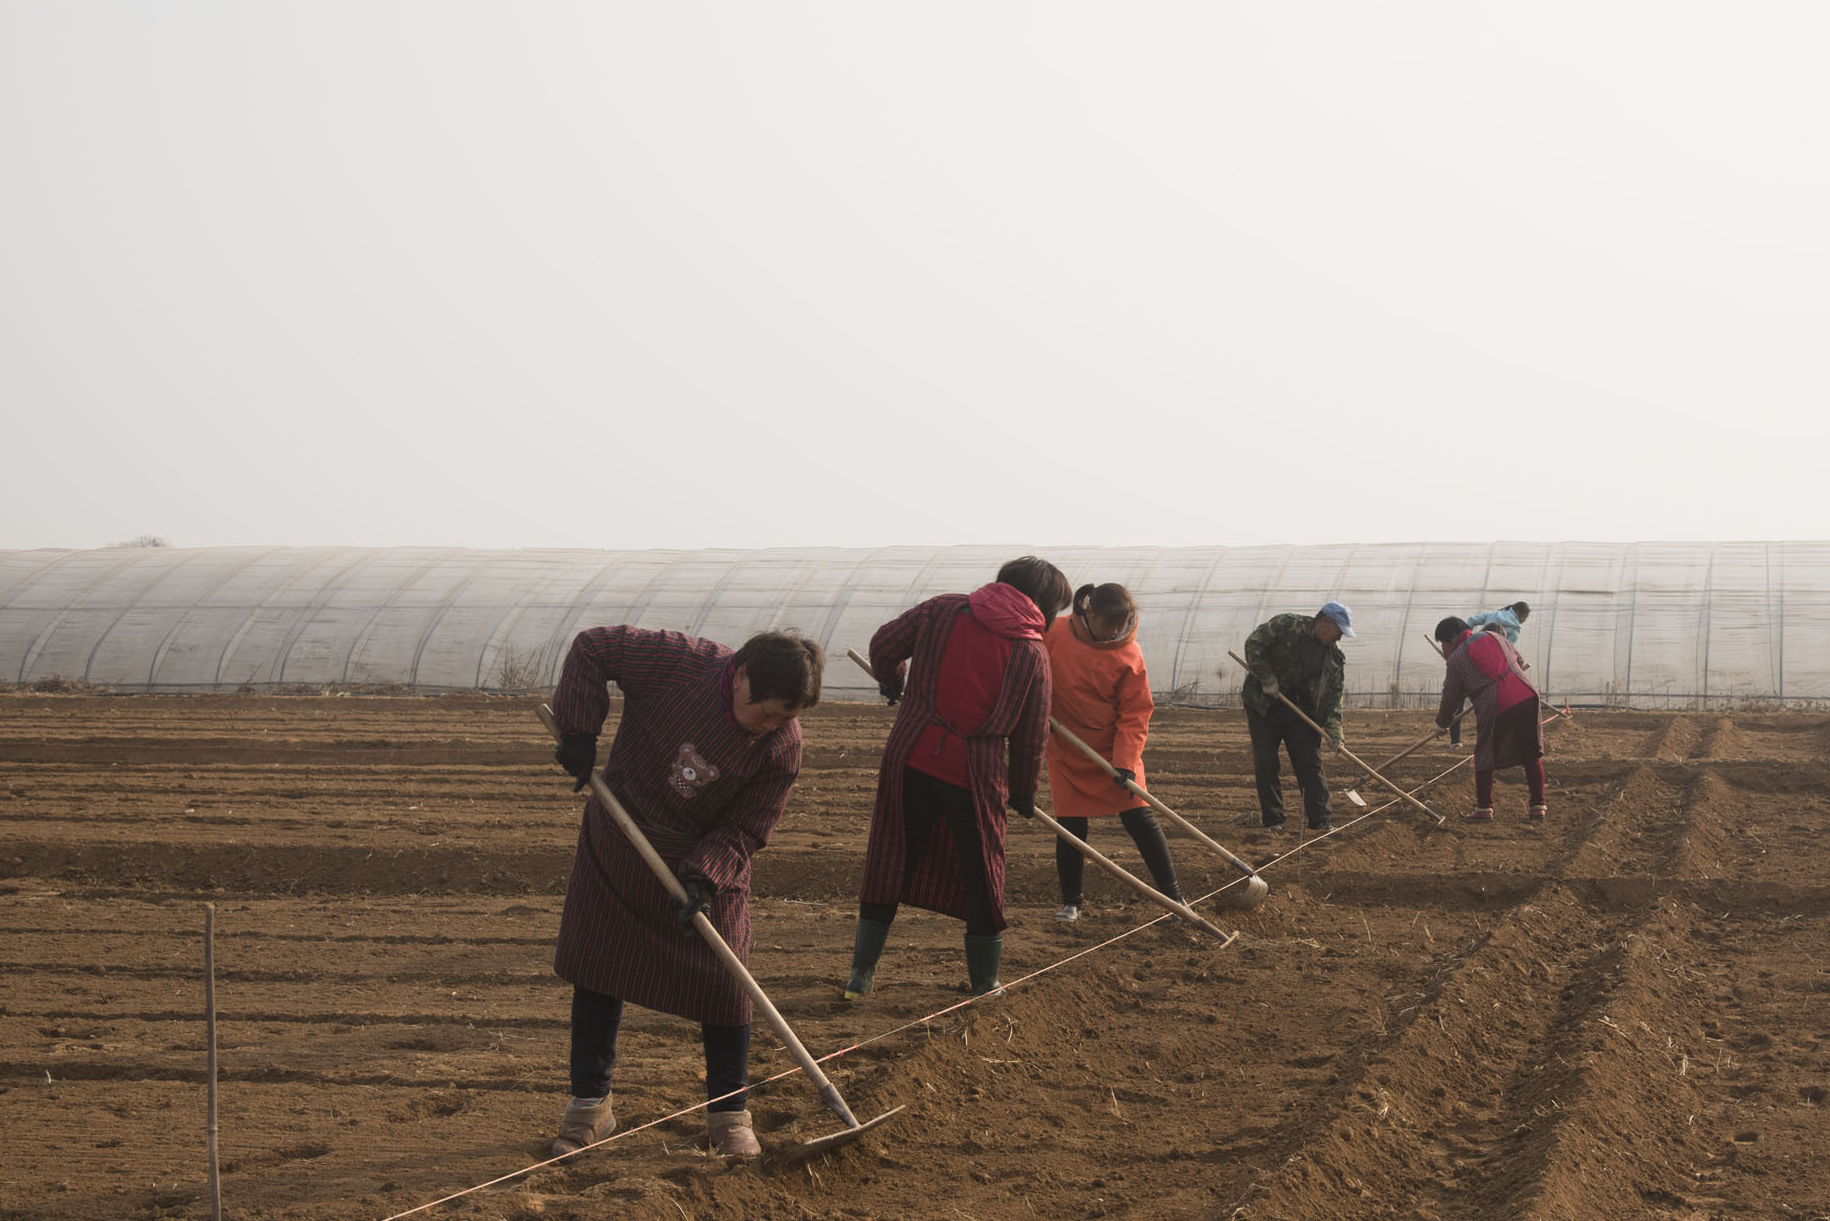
[966, 742]
[1507, 620]
[1102, 696]
[1485, 669]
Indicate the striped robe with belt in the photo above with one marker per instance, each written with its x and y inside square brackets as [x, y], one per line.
[705, 791]
[1003, 755]
[1485, 669]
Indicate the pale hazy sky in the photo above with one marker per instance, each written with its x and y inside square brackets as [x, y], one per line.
[673, 274]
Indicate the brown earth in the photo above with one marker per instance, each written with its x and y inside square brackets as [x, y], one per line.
[1619, 1013]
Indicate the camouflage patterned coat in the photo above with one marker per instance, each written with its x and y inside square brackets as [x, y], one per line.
[1312, 675]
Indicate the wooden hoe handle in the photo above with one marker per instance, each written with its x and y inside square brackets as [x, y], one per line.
[1368, 769]
[1093, 854]
[709, 932]
[1132, 787]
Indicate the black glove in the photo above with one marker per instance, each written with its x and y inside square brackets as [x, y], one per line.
[891, 687]
[1025, 805]
[577, 753]
[698, 899]
[1124, 776]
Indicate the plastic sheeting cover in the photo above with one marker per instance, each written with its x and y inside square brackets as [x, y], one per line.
[1654, 625]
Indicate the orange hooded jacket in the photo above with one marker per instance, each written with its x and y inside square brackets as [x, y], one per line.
[1103, 695]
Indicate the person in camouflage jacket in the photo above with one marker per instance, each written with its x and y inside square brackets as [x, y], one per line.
[1298, 656]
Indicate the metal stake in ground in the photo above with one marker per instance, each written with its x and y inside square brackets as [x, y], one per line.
[828, 1091]
[209, 1024]
[1255, 887]
[1369, 771]
[1093, 854]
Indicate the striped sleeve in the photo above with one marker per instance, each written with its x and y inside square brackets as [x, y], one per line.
[1453, 692]
[1029, 736]
[631, 657]
[894, 642]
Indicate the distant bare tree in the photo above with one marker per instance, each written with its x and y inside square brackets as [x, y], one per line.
[519, 671]
[144, 540]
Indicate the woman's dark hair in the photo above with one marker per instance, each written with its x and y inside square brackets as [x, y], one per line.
[1042, 581]
[1111, 602]
[1450, 629]
[783, 666]
[1521, 610]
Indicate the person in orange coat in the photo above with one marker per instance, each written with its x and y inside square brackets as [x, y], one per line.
[1101, 694]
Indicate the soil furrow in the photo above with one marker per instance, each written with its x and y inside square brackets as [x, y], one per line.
[1615, 1012]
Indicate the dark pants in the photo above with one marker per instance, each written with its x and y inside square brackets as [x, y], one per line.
[1071, 865]
[595, 1020]
[1282, 727]
[924, 799]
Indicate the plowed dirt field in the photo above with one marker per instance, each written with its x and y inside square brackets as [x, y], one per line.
[1623, 1012]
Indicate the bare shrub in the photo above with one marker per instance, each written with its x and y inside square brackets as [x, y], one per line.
[1180, 697]
[58, 684]
[519, 671]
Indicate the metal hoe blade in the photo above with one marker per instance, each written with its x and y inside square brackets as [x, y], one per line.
[821, 1145]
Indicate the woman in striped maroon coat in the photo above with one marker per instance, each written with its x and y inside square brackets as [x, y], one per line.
[968, 739]
[704, 755]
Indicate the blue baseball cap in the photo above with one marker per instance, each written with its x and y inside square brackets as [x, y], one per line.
[1343, 618]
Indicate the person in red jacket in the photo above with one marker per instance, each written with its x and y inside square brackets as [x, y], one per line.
[1102, 696]
[1485, 669]
[705, 753]
[968, 738]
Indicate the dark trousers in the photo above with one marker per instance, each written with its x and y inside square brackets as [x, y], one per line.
[1071, 865]
[925, 798]
[1282, 727]
[595, 1021]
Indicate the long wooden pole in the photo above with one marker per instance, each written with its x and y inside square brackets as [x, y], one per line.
[1368, 769]
[1098, 858]
[1142, 888]
[1555, 715]
[209, 1022]
[1133, 788]
[1418, 745]
[725, 954]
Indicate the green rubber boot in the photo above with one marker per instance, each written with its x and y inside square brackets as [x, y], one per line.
[866, 949]
[983, 953]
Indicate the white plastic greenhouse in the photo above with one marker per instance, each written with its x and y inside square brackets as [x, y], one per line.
[1649, 625]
